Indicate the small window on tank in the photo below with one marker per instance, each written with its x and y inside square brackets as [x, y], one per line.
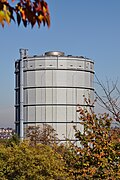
[87, 65]
[91, 67]
[80, 65]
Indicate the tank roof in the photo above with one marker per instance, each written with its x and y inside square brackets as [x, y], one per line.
[54, 53]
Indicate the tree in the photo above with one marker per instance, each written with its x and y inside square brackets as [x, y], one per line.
[98, 156]
[44, 134]
[109, 98]
[13, 140]
[27, 11]
[23, 162]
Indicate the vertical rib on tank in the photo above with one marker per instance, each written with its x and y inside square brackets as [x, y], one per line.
[54, 85]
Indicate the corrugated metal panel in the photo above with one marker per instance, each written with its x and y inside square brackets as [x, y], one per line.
[32, 96]
[49, 114]
[70, 116]
[31, 114]
[61, 114]
[40, 114]
[40, 96]
[55, 113]
[71, 96]
[49, 97]
[61, 96]
[40, 78]
[61, 78]
[87, 80]
[79, 79]
[31, 78]
[49, 78]
[54, 93]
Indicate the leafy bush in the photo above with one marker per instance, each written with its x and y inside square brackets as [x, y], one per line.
[23, 162]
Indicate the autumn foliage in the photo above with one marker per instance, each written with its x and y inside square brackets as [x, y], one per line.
[98, 155]
[95, 154]
[42, 134]
[25, 11]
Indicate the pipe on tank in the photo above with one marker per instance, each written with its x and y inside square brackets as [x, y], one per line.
[23, 53]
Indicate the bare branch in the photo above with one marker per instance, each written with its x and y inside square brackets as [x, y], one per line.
[110, 99]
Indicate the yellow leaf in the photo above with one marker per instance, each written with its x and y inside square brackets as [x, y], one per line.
[2, 15]
[7, 17]
[44, 9]
[40, 17]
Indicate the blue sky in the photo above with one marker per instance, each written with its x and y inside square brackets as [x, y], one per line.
[79, 27]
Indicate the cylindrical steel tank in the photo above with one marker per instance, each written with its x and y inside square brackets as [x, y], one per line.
[53, 86]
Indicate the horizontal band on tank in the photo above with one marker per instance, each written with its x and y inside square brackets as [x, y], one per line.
[56, 69]
[51, 122]
[57, 58]
[17, 88]
[85, 105]
[56, 87]
[17, 105]
[46, 122]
